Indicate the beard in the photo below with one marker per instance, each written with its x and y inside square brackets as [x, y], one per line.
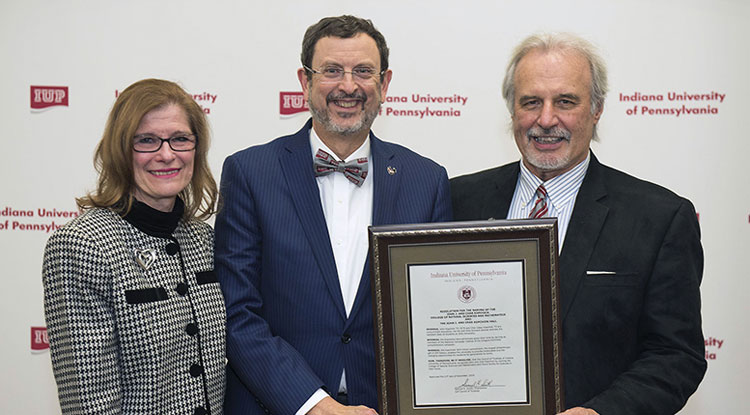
[547, 162]
[322, 116]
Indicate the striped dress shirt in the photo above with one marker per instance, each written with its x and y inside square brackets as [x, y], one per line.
[561, 195]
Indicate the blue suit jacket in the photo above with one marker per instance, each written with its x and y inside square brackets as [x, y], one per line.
[287, 330]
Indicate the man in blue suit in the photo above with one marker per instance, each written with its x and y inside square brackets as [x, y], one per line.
[291, 236]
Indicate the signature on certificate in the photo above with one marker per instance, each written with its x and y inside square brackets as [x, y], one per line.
[473, 386]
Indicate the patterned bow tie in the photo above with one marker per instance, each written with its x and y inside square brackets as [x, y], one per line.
[355, 170]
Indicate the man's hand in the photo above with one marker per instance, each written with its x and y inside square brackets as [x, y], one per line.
[329, 406]
[579, 411]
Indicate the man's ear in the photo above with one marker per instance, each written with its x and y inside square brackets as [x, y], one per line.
[303, 81]
[384, 84]
[598, 113]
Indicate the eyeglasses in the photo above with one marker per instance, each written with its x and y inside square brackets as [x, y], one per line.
[336, 73]
[149, 143]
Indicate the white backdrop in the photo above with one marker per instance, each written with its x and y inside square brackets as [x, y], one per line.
[239, 56]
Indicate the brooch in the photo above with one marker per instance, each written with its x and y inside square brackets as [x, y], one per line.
[145, 257]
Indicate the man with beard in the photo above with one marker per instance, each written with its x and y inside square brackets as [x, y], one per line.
[631, 260]
[291, 236]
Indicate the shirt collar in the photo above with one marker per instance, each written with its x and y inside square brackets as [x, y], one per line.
[558, 188]
[317, 144]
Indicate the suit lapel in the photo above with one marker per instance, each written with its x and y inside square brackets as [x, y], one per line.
[385, 184]
[384, 196]
[296, 166]
[583, 232]
[498, 205]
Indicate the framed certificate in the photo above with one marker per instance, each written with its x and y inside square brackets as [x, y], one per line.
[466, 318]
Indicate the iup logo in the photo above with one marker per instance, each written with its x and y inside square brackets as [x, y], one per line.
[48, 96]
[39, 339]
[292, 103]
[467, 293]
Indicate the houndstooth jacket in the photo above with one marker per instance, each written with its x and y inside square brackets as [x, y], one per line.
[136, 322]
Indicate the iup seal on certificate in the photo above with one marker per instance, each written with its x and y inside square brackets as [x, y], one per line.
[466, 318]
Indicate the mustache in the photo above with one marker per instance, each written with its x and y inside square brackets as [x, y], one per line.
[343, 95]
[559, 132]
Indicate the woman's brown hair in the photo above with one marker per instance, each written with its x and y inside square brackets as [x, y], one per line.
[113, 158]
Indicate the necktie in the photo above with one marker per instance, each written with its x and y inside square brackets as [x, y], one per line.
[355, 170]
[540, 206]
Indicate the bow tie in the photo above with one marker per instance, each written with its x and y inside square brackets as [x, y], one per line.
[355, 170]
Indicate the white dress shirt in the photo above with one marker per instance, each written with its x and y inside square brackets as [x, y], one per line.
[561, 195]
[348, 212]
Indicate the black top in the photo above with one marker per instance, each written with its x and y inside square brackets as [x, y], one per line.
[155, 222]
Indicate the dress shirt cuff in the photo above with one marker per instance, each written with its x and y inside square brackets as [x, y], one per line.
[312, 401]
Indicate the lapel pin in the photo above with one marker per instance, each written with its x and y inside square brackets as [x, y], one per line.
[391, 170]
[145, 257]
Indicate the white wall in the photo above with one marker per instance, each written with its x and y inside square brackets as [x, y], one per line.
[246, 53]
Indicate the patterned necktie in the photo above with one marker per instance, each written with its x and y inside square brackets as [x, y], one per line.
[355, 170]
[540, 206]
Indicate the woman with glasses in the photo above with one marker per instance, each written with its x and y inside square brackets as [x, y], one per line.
[134, 311]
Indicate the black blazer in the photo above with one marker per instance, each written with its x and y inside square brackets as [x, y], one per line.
[630, 269]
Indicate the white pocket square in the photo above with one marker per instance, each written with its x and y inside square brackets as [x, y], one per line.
[601, 273]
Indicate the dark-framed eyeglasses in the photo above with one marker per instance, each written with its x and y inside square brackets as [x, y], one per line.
[333, 73]
[149, 143]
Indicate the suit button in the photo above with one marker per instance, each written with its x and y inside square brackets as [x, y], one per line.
[196, 370]
[191, 329]
[200, 411]
[171, 248]
[346, 338]
[181, 289]
[263, 407]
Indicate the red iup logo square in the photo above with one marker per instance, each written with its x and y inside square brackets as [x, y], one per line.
[39, 338]
[48, 96]
[292, 103]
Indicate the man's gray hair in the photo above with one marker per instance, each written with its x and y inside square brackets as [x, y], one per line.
[559, 42]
